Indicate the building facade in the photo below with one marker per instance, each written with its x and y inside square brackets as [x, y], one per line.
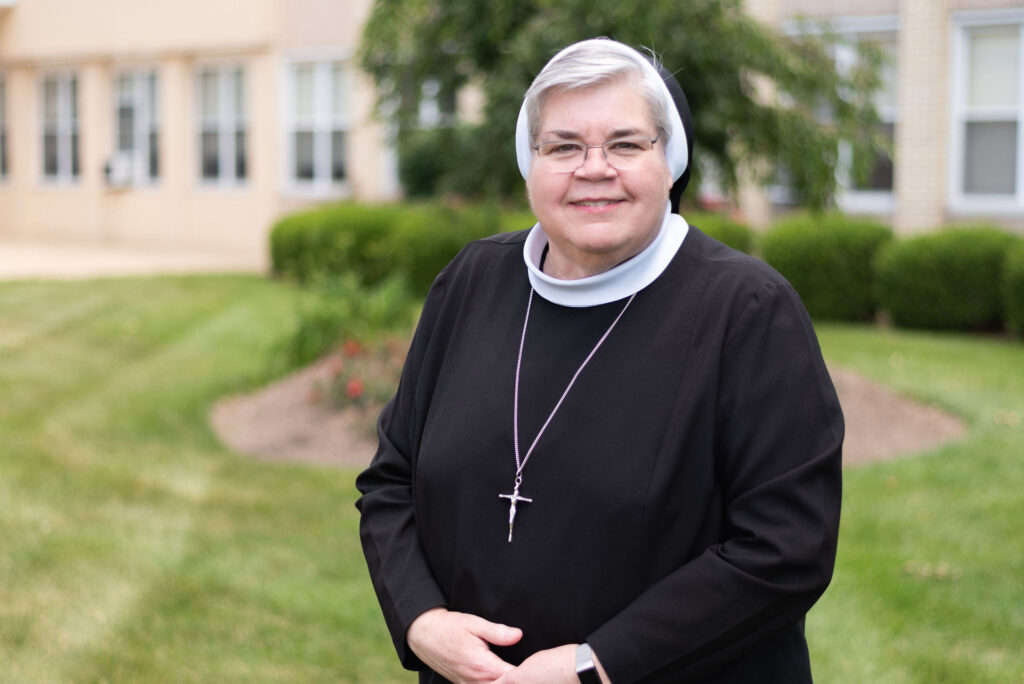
[194, 125]
[952, 104]
[189, 125]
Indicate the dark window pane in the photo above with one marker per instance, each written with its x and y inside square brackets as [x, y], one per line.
[304, 155]
[210, 159]
[125, 128]
[154, 155]
[75, 165]
[337, 155]
[50, 154]
[241, 160]
[879, 175]
[990, 157]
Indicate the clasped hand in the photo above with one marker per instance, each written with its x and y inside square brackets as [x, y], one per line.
[457, 647]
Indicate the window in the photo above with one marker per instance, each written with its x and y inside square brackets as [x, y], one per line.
[871, 190]
[136, 127]
[60, 127]
[317, 124]
[222, 125]
[879, 176]
[3, 129]
[990, 111]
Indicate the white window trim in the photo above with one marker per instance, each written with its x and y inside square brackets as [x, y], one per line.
[322, 185]
[227, 125]
[66, 126]
[142, 120]
[961, 203]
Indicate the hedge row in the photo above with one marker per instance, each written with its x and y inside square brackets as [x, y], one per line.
[723, 229]
[375, 241]
[961, 278]
[966, 278]
[829, 261]
[1013, 288]
[952, 279]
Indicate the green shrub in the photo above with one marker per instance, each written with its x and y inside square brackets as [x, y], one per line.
[344, 308]
[945, 280]
[722, 228]
[374, 242]
[828, 259]
[1013, 288]
[515, 219]
[470, 161]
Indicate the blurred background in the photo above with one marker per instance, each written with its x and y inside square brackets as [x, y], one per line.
[177, 452]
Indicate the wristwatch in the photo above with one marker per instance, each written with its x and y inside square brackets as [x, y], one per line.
[585, 668]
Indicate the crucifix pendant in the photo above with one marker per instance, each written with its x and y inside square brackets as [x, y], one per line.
[513, 499]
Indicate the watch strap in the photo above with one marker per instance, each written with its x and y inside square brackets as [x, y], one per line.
[586, 670]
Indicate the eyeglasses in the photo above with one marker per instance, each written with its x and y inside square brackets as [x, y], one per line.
[566, 156]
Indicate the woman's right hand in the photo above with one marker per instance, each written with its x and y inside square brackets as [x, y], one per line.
[457, 645]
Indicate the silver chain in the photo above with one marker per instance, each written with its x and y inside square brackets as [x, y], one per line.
[519, 362]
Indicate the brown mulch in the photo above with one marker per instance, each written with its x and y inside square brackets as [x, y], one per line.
[289, 421]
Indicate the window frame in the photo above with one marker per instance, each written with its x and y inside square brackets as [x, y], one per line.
[861, 200]
[67, 126]
[961, 202]
[146, 122]
[323, 123]
[228, 123]
[848, 199]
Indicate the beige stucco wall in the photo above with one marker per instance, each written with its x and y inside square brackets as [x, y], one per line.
[922, 160]
[54, 30]
[177, 210]
[832, 8]
[96, 39]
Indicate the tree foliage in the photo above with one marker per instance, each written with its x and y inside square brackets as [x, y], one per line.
[764, 102]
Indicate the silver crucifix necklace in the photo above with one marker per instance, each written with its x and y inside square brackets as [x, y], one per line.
[514, 499]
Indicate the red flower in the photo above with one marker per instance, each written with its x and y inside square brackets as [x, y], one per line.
[351, 348]
[355, 388]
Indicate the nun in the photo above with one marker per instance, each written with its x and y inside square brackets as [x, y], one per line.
[614, 453]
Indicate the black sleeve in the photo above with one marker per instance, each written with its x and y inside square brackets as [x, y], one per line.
[398, 568]
[779, 432]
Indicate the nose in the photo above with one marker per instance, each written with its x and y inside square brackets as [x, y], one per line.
[595, 164]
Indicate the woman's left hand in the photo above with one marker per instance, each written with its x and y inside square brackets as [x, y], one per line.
[553, 666]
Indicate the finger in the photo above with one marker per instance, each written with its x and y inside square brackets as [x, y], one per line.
[494, 633]
[477, 669]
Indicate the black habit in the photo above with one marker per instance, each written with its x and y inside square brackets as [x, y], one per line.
[685, 496]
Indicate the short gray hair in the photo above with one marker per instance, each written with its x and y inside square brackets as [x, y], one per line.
[591, 63]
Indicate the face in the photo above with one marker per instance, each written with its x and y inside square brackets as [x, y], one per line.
[597, 216]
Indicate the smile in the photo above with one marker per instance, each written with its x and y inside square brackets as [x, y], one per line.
[596, 204]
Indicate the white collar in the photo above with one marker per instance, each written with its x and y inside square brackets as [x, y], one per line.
[614, 284]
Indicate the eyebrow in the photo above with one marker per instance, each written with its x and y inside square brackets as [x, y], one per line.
[574, 135]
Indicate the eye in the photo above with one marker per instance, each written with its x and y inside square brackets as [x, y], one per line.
[625, 146]
[560, 149]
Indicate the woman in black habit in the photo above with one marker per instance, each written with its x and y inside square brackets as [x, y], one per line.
[614, 454]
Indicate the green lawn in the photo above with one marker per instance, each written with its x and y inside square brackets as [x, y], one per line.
[929, 585]
[133, 548]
